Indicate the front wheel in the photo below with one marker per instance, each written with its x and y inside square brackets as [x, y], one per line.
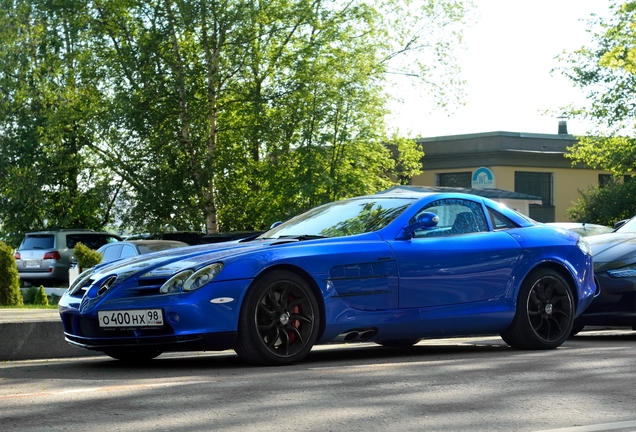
[279, 320]
[545, 312]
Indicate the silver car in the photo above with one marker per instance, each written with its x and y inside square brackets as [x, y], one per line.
[45, 256]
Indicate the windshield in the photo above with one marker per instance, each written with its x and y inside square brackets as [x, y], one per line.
[342, 218]
[630, 226]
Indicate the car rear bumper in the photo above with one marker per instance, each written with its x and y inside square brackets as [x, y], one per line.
[55, 275]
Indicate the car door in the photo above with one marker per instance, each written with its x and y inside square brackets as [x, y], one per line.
[459, 261]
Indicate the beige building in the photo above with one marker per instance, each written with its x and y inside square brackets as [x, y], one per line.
[533, 164]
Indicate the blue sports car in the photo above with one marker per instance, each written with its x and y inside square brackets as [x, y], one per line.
[390, 268]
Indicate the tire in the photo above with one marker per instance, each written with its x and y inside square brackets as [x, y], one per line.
[545, 312]
[399, 343]
[279, 320]
[133, 357]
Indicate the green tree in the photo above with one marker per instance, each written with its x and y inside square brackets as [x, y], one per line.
[49, 92]
[9, 279]
[190, 114]
[606, 71]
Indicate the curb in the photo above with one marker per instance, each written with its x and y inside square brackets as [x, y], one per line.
[36, 340]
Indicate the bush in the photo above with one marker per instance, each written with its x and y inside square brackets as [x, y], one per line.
[40, 297]
[606, 205]
[10, 294]
[87, 257]
[29, 295]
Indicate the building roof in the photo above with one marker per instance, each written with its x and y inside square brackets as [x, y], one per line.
[494, 194]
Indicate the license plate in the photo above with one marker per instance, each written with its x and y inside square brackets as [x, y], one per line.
[32, 263]
[131, 318]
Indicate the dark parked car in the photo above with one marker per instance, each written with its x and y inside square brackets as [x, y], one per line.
[583, 228]
[126, 249]
[232, 236]
[615, 270]
[390, 268]
[45, 256]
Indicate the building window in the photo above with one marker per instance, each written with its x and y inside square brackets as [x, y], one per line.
[604, 180]
[459, 179]
[539, 184]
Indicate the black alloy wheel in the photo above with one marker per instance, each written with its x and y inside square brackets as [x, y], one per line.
[279, 320]
[545, 312]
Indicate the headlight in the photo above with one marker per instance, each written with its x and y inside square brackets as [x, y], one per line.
[623, 272]
[189, 280]
[80, 281]
[175, 283]
[584, 246]
[202, 276]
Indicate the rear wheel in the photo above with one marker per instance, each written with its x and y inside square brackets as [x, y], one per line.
[545, 312]
[279, 320]
[136, 357]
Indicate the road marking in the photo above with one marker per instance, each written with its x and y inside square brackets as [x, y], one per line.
[128, 387]
[596, 427]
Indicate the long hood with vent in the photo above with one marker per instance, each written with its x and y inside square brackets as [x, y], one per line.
[166, 263]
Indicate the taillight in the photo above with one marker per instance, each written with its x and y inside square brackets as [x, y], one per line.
[16, 255]
[52, 255]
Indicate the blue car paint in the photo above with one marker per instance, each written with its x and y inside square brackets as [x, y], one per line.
[365, 281]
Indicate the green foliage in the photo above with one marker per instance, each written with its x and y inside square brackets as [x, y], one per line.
[29, 295]
[86, 257]
[10, 294]
[606, 71]
[606, 205]
[606, 68]
[35, 296]
[40, 298]
[207, 114]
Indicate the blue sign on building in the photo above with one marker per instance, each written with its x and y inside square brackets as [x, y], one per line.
[483, 178]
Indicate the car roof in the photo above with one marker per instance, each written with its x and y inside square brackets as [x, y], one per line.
[150, 242]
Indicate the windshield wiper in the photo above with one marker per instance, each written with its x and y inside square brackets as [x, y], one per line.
[302, 237]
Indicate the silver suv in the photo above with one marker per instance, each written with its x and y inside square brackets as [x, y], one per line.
[47, 255]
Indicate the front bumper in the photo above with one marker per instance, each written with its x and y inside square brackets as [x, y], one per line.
[614, 306]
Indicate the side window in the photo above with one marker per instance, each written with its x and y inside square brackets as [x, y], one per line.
[111, 253]
[456, 216]
[128, 251]
[499, 221]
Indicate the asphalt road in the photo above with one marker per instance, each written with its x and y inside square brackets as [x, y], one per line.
[474, 384]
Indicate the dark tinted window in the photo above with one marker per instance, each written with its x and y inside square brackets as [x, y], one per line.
[93, 241]
[38, 241]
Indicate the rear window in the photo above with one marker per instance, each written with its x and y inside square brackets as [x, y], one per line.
[38, 241]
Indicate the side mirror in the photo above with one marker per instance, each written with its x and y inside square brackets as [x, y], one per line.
[423, 220]
[275, 224]
[619, 224]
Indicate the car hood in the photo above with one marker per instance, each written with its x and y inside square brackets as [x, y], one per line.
[612, 250]
[166, 263]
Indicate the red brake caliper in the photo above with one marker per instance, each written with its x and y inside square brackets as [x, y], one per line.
[296, 323]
